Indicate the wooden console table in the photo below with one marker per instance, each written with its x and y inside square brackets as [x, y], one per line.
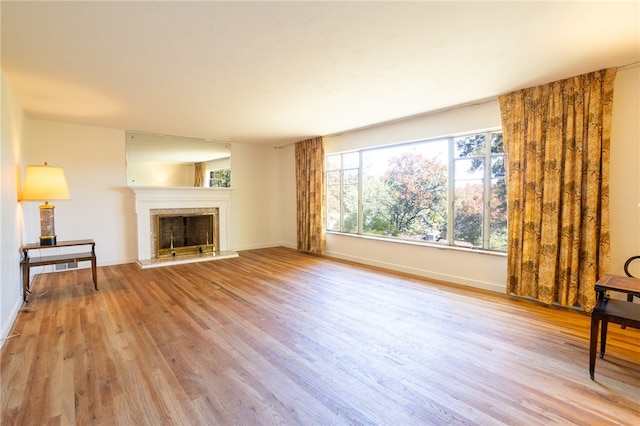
[608, 310]
[28, 262]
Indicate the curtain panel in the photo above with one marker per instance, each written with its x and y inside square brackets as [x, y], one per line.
[556, 142]
[310, 195]
[198, 174]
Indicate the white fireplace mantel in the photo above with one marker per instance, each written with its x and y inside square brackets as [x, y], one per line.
[157, 197]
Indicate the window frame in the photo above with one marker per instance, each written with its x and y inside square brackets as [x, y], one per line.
[449, 242]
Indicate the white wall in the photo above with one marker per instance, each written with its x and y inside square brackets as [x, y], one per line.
[255, 197]
[481, 116]
[625, 171]
[222, 163]
[101, 207]
[12, 135]
[288, 205]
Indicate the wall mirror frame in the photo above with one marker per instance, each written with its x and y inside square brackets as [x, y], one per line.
[176, 161]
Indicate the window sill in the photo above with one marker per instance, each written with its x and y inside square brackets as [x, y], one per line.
[420, 244]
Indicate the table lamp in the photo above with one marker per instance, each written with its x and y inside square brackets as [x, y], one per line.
[45, 183]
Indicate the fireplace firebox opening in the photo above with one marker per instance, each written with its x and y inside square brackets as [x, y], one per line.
[185, 234]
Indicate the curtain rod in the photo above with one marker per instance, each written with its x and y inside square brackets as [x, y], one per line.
[631, 65]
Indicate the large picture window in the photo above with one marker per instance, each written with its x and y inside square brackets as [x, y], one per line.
[448, 191]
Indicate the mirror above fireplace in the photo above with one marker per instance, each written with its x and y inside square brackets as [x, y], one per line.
[162, 160]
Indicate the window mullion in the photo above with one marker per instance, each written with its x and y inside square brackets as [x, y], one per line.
[486, 207]
[342, 227]
[360, 207]
[451, 193]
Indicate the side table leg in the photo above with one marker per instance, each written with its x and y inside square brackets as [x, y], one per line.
[94, 272]
[25, 281]
[603, 337]
[593, 343]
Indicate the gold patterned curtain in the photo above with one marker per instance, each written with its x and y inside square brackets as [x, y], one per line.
[556, 143]
[198, 174]
[310, 195]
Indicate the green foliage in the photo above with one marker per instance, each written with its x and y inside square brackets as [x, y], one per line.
[409, 200]
[468, 214]
[375, 217]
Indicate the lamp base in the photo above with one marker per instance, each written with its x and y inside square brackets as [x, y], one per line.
[47, 225]
[48, 240]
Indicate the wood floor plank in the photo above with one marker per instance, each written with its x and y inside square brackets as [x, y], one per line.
[276, 336]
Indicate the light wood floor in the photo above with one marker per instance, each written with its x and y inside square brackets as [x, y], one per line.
[280, 337]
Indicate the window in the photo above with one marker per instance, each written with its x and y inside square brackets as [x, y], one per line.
[480, 203]
[220, 178]
[448, 191]
[342, 192]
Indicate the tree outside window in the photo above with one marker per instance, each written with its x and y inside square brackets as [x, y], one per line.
[405, 191]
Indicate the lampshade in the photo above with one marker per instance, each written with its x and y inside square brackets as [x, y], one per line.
[45, 183]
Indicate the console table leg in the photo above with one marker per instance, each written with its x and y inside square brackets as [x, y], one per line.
[94, 273]
[603, 337]
[593, 344]
[25, 281]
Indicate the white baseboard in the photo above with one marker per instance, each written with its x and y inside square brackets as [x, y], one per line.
[6, 327]
[422, 273]
[261, 246]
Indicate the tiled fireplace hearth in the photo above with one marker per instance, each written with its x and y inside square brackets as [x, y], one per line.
[152, 201]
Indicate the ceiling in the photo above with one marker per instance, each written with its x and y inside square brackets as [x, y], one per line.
[273, 73]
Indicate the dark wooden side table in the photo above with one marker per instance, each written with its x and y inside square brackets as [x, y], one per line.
[609, 310]
[28, 262]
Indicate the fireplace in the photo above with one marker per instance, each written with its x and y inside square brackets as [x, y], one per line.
[176, 203]
[181, 234]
